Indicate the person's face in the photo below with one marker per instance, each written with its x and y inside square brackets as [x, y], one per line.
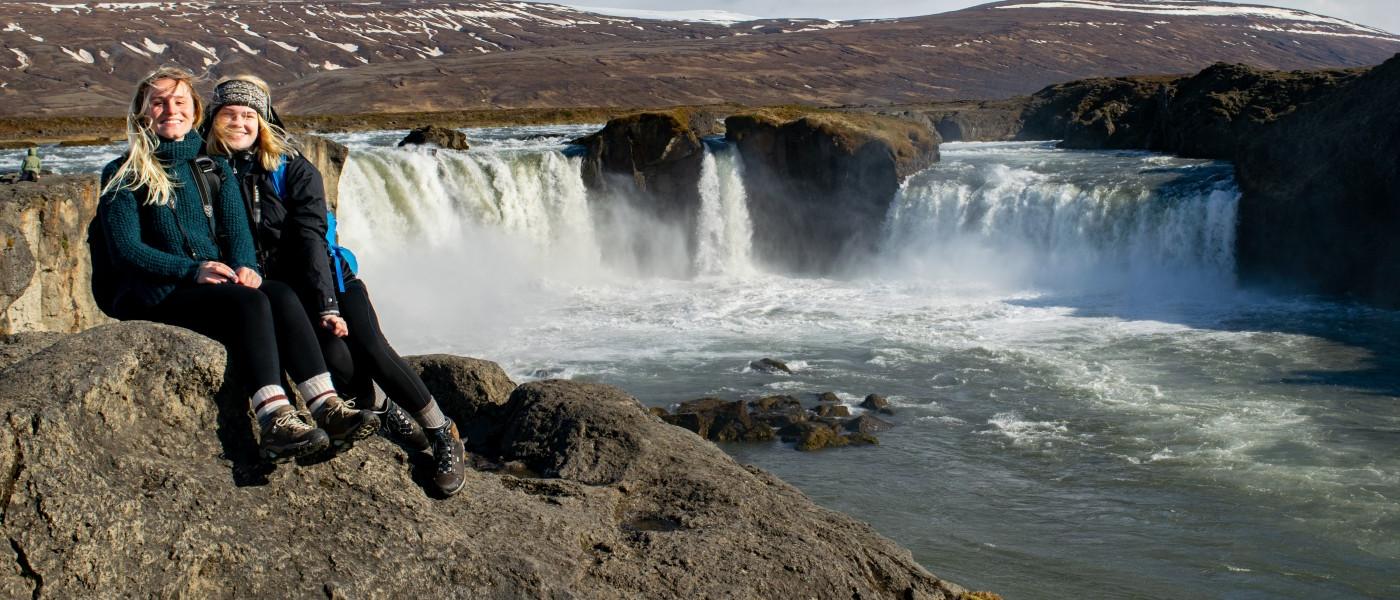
[237, 126]
[171, 109]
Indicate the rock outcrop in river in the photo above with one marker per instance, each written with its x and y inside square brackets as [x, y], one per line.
[45, 274]
[127, 469]
[819, 184]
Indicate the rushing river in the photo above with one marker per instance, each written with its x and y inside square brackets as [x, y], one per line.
[1088, 407]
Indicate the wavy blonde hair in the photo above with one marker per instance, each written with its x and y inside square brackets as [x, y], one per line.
[141, 167]
[273, 141]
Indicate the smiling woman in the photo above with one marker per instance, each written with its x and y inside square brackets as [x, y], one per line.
[178, 251]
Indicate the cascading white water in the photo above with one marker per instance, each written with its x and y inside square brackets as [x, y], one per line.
[1013, 216]
[725, 232]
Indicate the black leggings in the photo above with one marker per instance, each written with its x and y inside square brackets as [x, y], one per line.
[365, 356]
[256, 325]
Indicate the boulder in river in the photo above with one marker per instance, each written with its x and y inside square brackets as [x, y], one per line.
[442, 137]
[769, 365]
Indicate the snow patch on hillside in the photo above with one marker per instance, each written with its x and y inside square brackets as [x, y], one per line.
[1187, 8]
[704, 16]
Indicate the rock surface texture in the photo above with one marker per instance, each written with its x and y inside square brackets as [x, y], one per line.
[45, 271]
[124, 464]
[819, 184]
[329, 157]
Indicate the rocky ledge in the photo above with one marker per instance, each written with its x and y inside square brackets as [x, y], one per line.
[126, 464]
[1315, 155]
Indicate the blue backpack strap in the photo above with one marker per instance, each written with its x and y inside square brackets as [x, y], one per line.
[279, 178]
[339, 254]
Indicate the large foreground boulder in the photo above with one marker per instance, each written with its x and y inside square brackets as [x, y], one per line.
[819, 184]
[125, 468]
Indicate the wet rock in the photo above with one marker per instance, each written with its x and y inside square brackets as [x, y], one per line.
[720, 420]
[818, 438]
[867, 424]
[778, 411]
[828, 397]
[832, 410]
[779, 402]
[442, 137]
[820, 184]
[861, 438]
[877, 403]
[604, 502]
[769, 365]
[647, 163]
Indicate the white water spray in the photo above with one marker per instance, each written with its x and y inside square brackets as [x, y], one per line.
[725, 231]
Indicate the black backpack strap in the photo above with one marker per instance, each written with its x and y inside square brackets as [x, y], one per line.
[206, 171]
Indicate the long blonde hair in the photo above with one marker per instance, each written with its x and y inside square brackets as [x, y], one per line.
[272, 142]
[141, 167]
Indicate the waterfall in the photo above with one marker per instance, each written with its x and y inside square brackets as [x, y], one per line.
[725, 232]
[1015, 216]
[1018, 214]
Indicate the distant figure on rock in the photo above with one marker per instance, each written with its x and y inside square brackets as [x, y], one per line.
[29, 170]
[285, 202]
[172, 238]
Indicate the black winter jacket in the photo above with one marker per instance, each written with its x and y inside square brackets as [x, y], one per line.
[290, 231]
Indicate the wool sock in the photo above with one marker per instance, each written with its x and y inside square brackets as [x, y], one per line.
[377, 399]
[267, 400]
[316, 391]
[431, 416]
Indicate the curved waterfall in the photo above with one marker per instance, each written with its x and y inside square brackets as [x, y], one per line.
[1022, 214]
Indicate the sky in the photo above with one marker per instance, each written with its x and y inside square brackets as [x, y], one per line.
[1383, 14]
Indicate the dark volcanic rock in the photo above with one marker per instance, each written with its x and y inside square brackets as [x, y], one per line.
[867, 424]
[720, 420]
[829, 409]
[648, 164]
[123, 479]
[820, 184]
[878, 403]
[769, 365]
[442, 137]
[1321, 194]
[471, 391]
[1121, 112]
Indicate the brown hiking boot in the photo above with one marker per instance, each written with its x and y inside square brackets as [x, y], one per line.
[285, 436]
[344, 424]
[448, 453]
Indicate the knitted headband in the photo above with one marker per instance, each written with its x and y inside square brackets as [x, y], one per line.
[242, 93]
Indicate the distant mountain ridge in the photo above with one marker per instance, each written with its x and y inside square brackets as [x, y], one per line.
[403, 55]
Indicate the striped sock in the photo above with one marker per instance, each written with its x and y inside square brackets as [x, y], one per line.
[316, 391]
[267, 400]
[431, 416]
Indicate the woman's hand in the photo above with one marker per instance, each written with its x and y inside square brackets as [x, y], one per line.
[248, 277]
[335, 324]
[213, 271]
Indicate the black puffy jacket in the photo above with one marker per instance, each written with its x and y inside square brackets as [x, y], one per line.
[291, 230]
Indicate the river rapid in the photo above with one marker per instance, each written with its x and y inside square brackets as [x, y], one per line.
[1087, 404]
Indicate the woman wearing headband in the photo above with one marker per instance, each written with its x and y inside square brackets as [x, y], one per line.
[186, 258]
[286, 204]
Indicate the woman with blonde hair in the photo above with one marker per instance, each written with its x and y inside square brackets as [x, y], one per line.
[286, 205]
[186, 258]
